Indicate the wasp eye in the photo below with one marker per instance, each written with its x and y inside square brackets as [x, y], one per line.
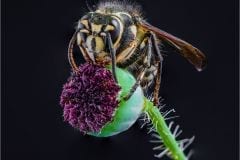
[114, 29]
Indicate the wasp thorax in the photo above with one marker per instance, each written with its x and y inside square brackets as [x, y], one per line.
[95, 30]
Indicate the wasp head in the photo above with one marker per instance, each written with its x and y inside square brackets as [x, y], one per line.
[93, 31]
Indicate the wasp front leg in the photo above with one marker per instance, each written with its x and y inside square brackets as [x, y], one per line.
[113, 56]
[77, 37]
[70, 52]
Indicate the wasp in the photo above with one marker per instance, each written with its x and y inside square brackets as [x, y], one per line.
[116, 33]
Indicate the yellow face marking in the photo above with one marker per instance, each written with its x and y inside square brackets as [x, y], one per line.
[96, 27]
[109, 28]
[85, 23]
[99, 44]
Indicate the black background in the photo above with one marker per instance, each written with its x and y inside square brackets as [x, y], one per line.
[35, 66]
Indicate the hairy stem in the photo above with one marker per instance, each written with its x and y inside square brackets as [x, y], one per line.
[162, 129]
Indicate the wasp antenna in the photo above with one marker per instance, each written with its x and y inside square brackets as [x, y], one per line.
[90, 8]
[70, 52]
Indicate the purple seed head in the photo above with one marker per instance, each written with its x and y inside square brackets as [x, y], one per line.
[89, 98]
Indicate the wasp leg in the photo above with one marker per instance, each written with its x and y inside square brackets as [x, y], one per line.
[159, 70]
[147, 64]
[113, 55]
[70, 52]
[70, 49]
[134, 87]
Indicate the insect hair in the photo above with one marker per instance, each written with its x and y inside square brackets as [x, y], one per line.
[168, 114]
[89, 7]
[110, 6]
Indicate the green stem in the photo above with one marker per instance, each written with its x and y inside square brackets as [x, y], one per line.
[163, 130]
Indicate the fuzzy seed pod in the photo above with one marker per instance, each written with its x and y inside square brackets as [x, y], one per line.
[92, 101]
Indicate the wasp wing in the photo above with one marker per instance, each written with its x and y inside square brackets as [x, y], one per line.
[192, 54]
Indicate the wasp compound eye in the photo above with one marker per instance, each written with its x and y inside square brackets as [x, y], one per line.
[92, 101]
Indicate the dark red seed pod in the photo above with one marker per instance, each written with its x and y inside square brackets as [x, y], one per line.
[93, 102]
[89, 98]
